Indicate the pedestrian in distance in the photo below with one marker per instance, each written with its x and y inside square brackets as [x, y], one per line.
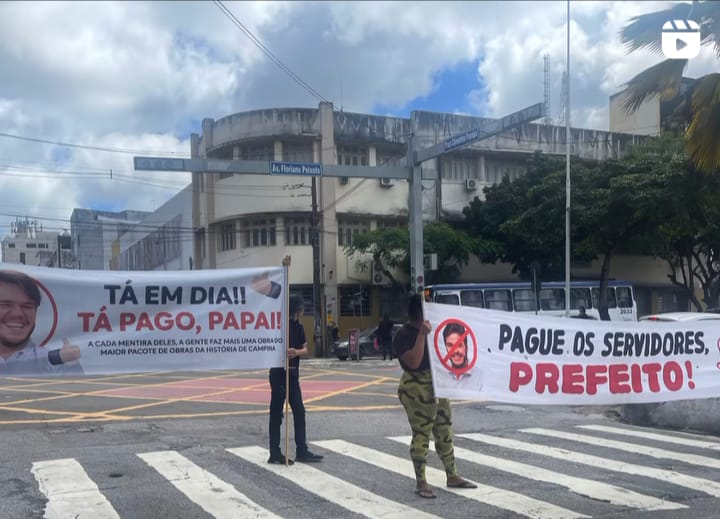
[426, 414]
[297, 347]
[383, 333]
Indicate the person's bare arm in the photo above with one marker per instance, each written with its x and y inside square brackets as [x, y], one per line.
[298, 352]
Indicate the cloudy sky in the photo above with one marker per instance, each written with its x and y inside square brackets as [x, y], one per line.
[138, 77]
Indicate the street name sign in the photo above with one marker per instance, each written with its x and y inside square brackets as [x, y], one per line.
[531, 113]
[306, 169]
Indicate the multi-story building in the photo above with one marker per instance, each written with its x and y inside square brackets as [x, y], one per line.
[249, 220]
[94, 232]
[162, 240]
[29, 244]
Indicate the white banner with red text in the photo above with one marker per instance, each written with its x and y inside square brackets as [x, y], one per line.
[100, 322]
[510, 357]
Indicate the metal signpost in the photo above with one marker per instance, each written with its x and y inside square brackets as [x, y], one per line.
[417, 157]
[412, 172]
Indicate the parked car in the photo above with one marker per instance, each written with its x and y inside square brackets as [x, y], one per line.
[366, 339]
[681, 316]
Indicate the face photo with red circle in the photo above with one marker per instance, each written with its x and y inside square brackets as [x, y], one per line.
[457, 349]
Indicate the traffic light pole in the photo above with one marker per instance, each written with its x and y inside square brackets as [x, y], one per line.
[315, 241]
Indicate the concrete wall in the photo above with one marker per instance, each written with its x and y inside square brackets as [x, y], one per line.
[645, 121]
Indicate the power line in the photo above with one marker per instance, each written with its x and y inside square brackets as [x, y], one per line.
[95, 148]
[267, 51]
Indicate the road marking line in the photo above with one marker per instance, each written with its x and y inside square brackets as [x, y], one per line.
[497, 497]
[585, 487]
[70, 491]
[216, 497]
[680, 440]
[702, 485]
[692, 459]
[335, 490]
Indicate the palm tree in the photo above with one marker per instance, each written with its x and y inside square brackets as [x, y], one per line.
[696, 111]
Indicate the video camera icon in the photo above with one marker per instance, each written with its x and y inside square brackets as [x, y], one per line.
[680, 39]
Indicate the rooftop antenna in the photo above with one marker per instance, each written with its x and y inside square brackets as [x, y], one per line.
[548, 91]
[341, 96]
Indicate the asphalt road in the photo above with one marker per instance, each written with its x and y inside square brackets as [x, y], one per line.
[193, 445]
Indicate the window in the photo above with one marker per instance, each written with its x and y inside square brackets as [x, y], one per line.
[259, 152]
[447, 299]
[354, 300]
[306, 293]
[297, 231]
[348, 228]
[524, 300]
[552, 299]
[580, 297]
[498, 300]
[298, 152]
[624, 297]
[472, 298]
[610, 297]
[227, 237]
[459, 168]
[31, 246]
[42, 245]
[352, 156]
[259, 232]
[11, 245]
[391, 221]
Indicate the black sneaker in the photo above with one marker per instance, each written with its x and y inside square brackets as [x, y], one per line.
[309, 457]
[279, 459]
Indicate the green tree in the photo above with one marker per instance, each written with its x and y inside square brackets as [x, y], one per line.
[689, 239]
[619, 204]
[389, 249]
[523, 221]
[696, 110]
[612, 204]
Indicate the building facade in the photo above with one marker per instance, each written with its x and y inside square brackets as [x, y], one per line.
[94, 233]
[29, 244]
[250, 220]
[162, 240]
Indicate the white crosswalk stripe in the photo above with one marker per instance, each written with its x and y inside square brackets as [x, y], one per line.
[669, 476]
[584, 487]
[333, 489]
[70, 492]
[686, 439]
[508, 500]
[221, 500]
[654, 452]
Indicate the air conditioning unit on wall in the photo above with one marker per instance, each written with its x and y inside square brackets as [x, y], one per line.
[471, 184]
[378, 277]
[386, 182]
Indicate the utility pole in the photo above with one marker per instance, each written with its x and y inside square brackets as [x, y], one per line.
[315, 241]
[59, 247]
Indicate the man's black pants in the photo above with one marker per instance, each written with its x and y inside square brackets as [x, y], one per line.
[277, 400]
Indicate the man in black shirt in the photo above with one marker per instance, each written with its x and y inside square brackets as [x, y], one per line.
[297, 348]
[426, 413]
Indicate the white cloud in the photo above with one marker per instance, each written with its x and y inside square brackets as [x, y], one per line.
[142, 75]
